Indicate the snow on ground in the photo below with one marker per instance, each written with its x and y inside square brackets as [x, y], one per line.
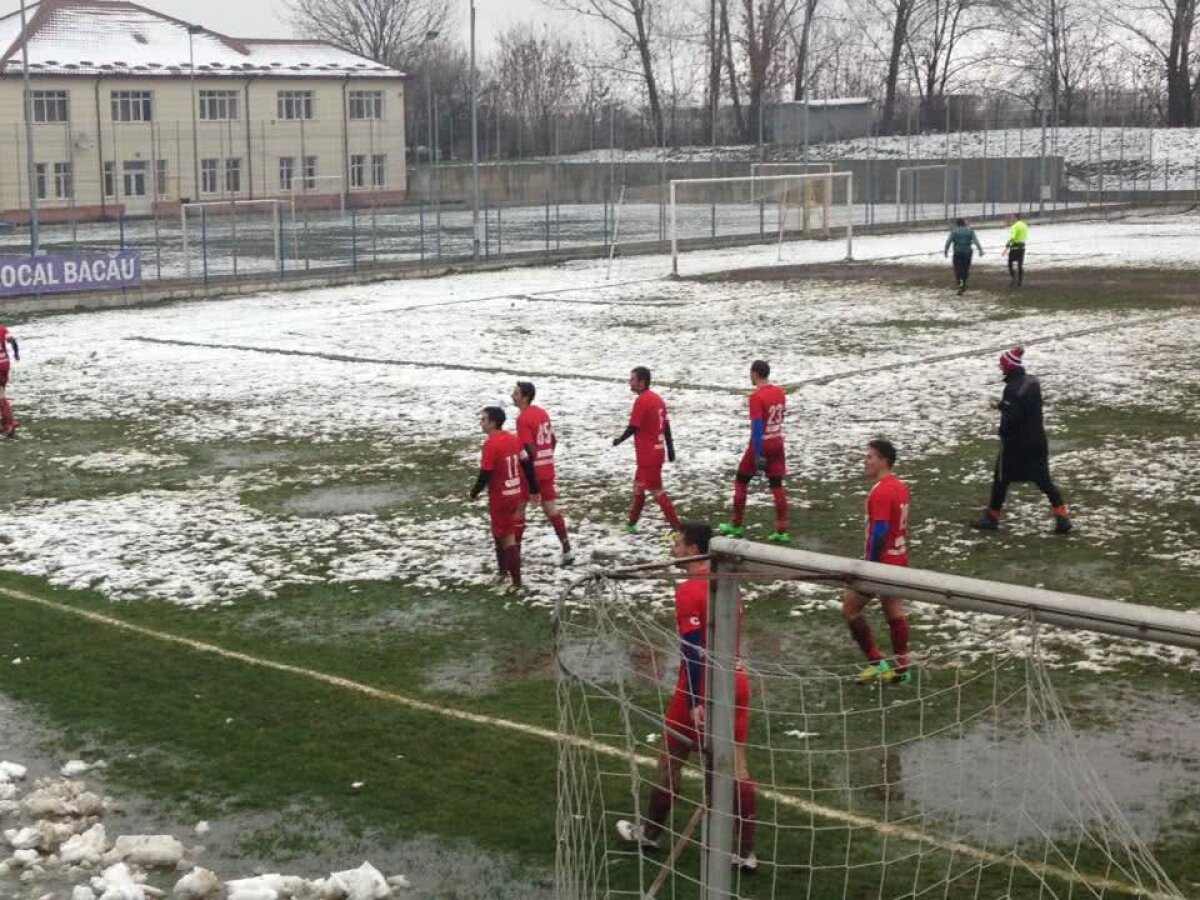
[417, 359]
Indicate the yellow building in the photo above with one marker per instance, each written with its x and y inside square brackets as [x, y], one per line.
[134, 112]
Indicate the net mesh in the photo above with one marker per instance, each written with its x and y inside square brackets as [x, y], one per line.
[968, 781]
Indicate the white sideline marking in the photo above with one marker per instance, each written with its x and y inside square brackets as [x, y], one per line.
[837, 815]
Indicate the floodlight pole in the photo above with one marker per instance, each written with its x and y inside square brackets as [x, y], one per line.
[192, 31]
[34, 229]
[474, 144]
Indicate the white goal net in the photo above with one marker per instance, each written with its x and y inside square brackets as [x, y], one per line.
[767, 209]
[232, 237]
[968, 781]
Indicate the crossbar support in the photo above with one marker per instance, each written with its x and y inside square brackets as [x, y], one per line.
[1111, 617]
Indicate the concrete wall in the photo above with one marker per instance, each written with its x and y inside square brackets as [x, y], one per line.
[257, 138]
[798, 122]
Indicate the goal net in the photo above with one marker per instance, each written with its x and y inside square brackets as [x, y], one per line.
[764, 209]
[231, 237]
[927, 192]
[967, 781]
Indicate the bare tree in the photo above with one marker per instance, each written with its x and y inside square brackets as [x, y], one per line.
[803, 43]
[390, 31]
[937, 30]
[1166, 29]
[634, 25]
[765, 28]
[897, 14]
[539, 77]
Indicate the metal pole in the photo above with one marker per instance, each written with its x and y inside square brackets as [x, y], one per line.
[194, 30]
[34, 224]
[474, 141]
[720, 699]
[674, 235]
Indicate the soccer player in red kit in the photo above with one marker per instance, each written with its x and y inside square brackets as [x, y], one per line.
[507, 473]
[684, 726]
[887, 543]
[8, 425]
[768, 404]
[651, 432]
[537, 437]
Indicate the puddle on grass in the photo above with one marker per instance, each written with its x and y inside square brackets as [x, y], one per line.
[471, 677]
[1004, 789]
[345, 500]
[241, 458]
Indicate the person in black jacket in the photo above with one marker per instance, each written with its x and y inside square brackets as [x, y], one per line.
[1024, 450]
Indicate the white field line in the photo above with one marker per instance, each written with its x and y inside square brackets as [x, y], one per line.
[844, 817]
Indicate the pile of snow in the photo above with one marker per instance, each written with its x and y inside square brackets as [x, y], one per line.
[56, 834]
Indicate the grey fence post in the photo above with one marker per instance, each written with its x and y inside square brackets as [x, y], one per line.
[720, 700]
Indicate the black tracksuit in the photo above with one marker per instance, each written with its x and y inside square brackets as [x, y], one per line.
[1024, 450]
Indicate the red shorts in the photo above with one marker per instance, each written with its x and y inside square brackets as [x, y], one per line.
[776, 462]
[649, 477]
[506, 514]
[4, 369]
[547, 487]
[681, 734]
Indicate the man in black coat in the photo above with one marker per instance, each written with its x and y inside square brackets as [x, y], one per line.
[1024, 450]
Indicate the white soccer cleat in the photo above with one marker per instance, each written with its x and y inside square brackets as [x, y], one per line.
[747, 863]
[635, 833]
[567, 559]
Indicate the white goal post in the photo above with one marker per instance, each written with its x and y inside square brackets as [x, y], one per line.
[785, 184]
[300, 189]
[231, 209]
[913, 173]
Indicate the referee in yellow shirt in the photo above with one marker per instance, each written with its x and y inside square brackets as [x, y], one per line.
[1018, 234]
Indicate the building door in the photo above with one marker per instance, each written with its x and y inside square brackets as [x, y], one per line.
[136, 194]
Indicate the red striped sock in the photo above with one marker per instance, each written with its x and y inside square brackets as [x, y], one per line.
[739, 503]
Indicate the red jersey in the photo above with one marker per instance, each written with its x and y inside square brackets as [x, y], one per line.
[769, 404]
[534, 429]
[691, 614]
[888, 502]
[649, 417]
[502, 457]
[3, 344]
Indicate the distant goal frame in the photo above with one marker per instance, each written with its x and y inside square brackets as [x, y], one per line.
[232, 206]
[827, 177]
[946, 168]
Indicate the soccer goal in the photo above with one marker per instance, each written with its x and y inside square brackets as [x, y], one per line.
[236, 236]
[767, 209]
[917, 187]
[967, 781]
[763, 169]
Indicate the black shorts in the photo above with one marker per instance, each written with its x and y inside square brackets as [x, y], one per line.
[1016, 253]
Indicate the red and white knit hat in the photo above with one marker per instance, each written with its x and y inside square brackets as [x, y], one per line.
[1012, 358]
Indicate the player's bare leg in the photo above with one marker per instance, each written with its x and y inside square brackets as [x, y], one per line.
[663, 499]
[893, 611]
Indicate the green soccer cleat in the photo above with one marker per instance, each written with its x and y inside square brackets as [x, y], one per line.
[730, 530]
[876, 671]
[628, 528]
[895, 676]
[779, 537]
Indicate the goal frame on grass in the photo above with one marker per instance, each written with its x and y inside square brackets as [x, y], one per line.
[733, 560]
[913, 173]
[827, 178]
[299, 190]
[231, 208]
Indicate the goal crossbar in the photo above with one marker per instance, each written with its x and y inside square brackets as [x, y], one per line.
[675, 183]
[1076, 611]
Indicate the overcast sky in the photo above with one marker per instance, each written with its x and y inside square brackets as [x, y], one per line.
[266, 18]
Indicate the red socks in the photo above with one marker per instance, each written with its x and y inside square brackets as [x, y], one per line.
[560, 529]
[899, 630]
[657, 810]
[745, 805]
[781, 508]
[6, 416]
[863, 637]
[512, 563]
[668, 510]
[739, 503]
[635, 508]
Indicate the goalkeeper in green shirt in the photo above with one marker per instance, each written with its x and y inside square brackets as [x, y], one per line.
[1018, 234]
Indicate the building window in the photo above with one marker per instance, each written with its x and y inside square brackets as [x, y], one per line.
[49, 106]
[358, 171]
[379, 169]
[132, 106]
[208, 176]
[160, 178]
[366, 104]
[287, 172]
[39, 176]
[310, 172]
[219, 106]
[135, 178]
[295, 104]
[62, 180]
[110, 179]
[233, 175]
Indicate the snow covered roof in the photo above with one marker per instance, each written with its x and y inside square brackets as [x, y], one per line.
[110, 37]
